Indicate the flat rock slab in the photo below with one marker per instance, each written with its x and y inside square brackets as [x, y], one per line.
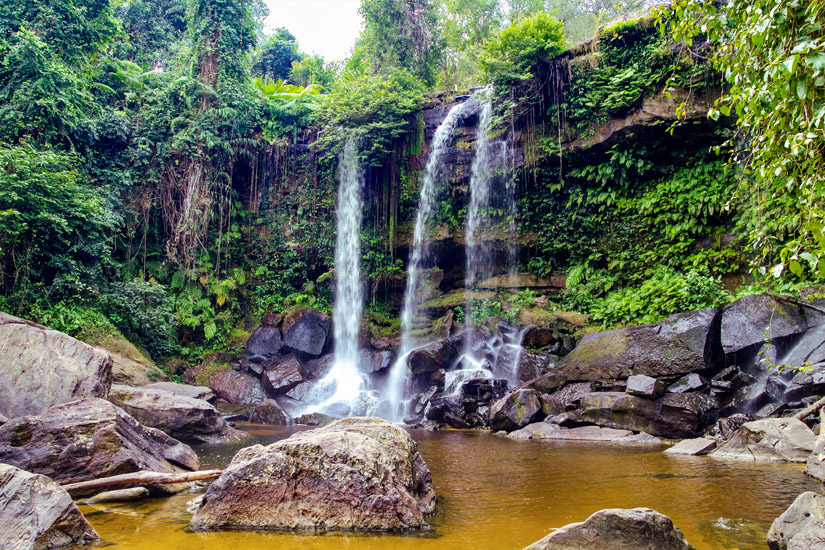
[773, 439]
[43, 367]
[695, 447]
[184, 418]
[37, 513]
[195, 392]
[354, 474]
[801, 526]
[90, 439]
[617, 529]
[543, 430]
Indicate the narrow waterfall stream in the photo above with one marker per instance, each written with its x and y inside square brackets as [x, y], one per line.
[444, 134]
[343, 391]
[478, 263]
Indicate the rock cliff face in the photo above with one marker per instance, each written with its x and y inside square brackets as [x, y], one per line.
[41, 368]
[358, 473]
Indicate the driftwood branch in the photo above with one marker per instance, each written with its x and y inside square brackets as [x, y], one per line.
[144, 478]
[804, 413]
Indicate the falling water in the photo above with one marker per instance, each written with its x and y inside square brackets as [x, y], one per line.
[478, 214]
[394, 391]
[341, 392]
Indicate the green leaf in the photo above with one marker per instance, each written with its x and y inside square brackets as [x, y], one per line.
[802, 89]
[795, 267]
[816, 60]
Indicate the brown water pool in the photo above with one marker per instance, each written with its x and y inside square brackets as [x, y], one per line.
[499, 494]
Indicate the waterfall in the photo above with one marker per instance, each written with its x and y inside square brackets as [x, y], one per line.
[342, 391]
[478, 251]
[395, 388]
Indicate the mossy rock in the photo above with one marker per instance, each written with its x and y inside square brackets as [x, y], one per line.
[130, 365]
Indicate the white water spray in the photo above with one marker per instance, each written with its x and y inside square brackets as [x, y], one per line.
[399, 374]
[341, 392]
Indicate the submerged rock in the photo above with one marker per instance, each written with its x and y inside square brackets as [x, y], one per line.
[184, 418]
[801, 526]
[89, 439]
[777, 439]
[38, 513]
[357, 473]
[693, 447]
[682, 343]
[43, 367]
[617, 529]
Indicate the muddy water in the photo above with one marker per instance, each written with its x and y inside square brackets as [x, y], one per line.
[498, 494]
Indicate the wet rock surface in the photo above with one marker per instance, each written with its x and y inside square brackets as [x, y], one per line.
[89, 439]
[282, 374]
[184, 418]
[37, 513]
[801, 526]
[516, 410]
[683, 343]
[634, 529]
[777, 439]
[306, 330]
[237, 388]
[357, 473]
[269, 412]
[43, 367]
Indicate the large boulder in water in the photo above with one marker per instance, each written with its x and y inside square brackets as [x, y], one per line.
[89, 439]
[184, 418]
[43, 367]
[306, 330]
[269, 412]
[776, 439]
[282, 375]
[682, 343]
[358, 473]
[516, 410]
[435, 356]
[237, 388]
[674, 415]
[38, 513]
[801, 526]
[617, 529]
[746, 321]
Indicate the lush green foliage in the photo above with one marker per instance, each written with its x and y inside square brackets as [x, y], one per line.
[772, 54]
[519, 52]
[377, 109]
[274, 58]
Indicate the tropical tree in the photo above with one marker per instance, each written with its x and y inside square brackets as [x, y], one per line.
[772, 56]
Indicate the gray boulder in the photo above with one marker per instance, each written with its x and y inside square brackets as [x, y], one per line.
[358, 473]
[746, 321]
[269, 412]
[516, 410]
[38, 513]
[617, 529]
[237, 388]
[89, 439]
[693, 447]
[265, 341]
[376, 361]
[44, 367]
[306, 330]
[432, 357]
[815, 466]
[801, 526]
[682, 343]
[689, 382]
[644, 386]
[775, 439]
[184, 418]
[672, 416]
[282, 375]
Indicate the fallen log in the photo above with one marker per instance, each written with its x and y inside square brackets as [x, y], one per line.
[144, 478]
[804, 413]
